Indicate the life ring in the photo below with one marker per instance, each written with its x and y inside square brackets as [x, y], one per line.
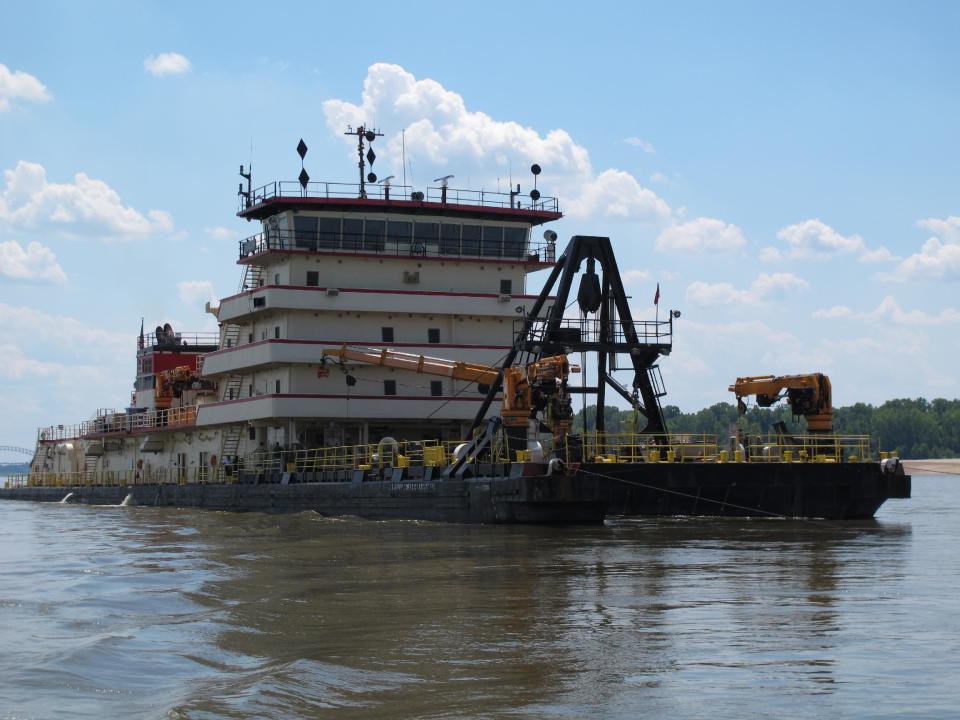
[213, 461]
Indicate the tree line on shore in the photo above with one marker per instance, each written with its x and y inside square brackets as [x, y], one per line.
[13, 468]
[916, 429]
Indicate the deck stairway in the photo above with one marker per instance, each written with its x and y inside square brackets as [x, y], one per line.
[89, 467]
[231, 385]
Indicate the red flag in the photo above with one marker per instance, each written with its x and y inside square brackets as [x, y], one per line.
[656, 298]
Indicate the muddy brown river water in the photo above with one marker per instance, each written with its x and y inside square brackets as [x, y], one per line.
[160, 613]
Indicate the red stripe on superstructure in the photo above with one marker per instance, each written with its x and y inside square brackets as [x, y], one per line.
[307, 396]
[376, 256]
[372, 291]
[403, 207]
[339, 343]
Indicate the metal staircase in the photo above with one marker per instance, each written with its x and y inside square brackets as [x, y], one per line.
[89, 467]
[252, 276]
[230, 386]
[229, 443]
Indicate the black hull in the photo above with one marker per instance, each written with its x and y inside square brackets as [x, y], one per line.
[807, 490]
[506, 495]
[520, 499]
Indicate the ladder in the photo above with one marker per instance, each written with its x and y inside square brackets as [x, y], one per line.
[230, 388]
[229, 443]
[252, 277]
[89, 467]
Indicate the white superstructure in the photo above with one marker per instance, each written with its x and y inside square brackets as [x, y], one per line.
[441, 274]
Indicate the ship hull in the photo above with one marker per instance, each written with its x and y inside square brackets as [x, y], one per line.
[805, 490]
[484, 499]
[519, 494]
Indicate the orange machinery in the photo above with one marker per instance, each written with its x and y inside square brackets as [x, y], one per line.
[537, 386]
[807, 395]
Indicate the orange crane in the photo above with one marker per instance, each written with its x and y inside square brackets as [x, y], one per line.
[538, 386]
[171, 383]
[807, 395]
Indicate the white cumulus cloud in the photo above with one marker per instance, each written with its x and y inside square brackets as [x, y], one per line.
[17, 366]
[881, 254]
[59, 333]
[634, 276]
[939, 257]
[947, 228]
[84, 206]
[222, 233]
[815, 240]
[765, 285]
[35, 262]
[890, 312]
[169, 63]
[193, 292]
[616, 193]
[700, 236]
[444, 136]
[18, 85]
[644, 145]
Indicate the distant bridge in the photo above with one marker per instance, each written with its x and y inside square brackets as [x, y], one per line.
[15, 449]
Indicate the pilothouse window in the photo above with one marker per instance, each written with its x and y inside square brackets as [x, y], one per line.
[471, 240]
[400, 233]
[492, 240]
[374, 234]
[352, 233]
[305, 232]
[514, 241]
[329, 233]
[426, 234]
[449, 239]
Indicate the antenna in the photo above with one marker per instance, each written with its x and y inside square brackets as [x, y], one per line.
[513, 193]
[403, 145]
[443, 187]
[362, 134]
[248, 176]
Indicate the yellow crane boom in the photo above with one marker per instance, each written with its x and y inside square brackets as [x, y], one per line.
[483, 374]
[808, 395]
[540, 385]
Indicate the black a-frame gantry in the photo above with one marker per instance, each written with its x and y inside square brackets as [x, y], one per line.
[605, 327]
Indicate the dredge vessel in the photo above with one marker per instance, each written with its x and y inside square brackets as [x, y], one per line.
[383, 358]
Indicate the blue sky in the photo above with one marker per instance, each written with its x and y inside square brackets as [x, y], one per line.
[789, 175]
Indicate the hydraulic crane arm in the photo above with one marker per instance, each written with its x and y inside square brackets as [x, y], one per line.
[481, 374]
[807, 395]
[538, 386]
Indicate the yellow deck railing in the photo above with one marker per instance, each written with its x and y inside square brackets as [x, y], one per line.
[109, 421]
[590, 447]
[809, 448]
[633, 447]
[147, 476]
